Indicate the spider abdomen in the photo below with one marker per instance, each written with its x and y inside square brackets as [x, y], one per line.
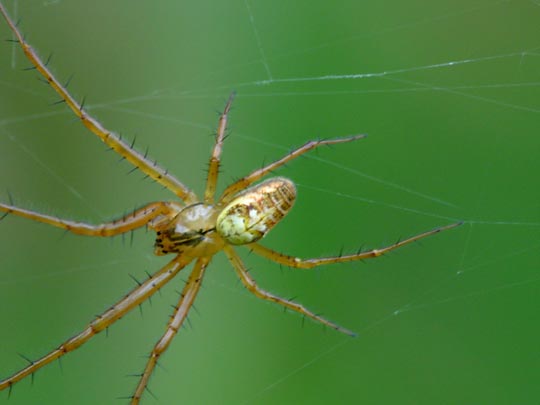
[255, 211]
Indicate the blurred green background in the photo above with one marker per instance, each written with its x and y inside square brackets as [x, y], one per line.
[449, 94]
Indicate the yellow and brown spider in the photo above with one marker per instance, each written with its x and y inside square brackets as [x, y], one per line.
[194, 230]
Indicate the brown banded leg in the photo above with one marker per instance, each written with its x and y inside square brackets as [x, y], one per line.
[180, 313]
[124, 149]
[213, 166]
[127, 223]
[250, 284]
[296, 262]
[246, 181]
[139, 294]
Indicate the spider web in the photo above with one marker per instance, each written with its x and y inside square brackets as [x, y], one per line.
[448, 93]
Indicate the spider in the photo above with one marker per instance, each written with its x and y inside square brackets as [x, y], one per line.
[191, 229]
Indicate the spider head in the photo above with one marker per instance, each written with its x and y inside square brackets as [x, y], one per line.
[190, 231]
[256, 210]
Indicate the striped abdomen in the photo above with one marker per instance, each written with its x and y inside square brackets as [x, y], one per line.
[255, 211]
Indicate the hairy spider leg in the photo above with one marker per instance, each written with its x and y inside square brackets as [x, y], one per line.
[187, 297]
[296, 262]
[134, 298]
[135, 220]
[213, 166]
[246, 181]
[111, 139]
[252, 287]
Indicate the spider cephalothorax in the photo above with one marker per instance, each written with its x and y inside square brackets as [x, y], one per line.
[192, 228]
[188, 230]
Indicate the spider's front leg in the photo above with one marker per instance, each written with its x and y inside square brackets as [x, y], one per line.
[135, 220]
[114, 141]
[215, 159]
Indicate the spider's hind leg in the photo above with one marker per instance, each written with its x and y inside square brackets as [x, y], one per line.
[250, 284]
[138, 295]
[298, 263]
[181, 310]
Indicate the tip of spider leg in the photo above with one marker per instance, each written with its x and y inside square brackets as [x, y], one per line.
[350, 138]
[358, 136]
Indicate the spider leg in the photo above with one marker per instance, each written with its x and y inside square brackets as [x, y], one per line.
[213, 167]
[175, 322]
[111, 139]
[292, 261]
[127, 223]
[246, 181]
[106, 319]
[250, 284]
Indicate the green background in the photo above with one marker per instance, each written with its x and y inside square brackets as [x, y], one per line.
[452, 114]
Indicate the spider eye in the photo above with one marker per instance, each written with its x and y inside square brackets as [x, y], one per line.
[255, 211]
